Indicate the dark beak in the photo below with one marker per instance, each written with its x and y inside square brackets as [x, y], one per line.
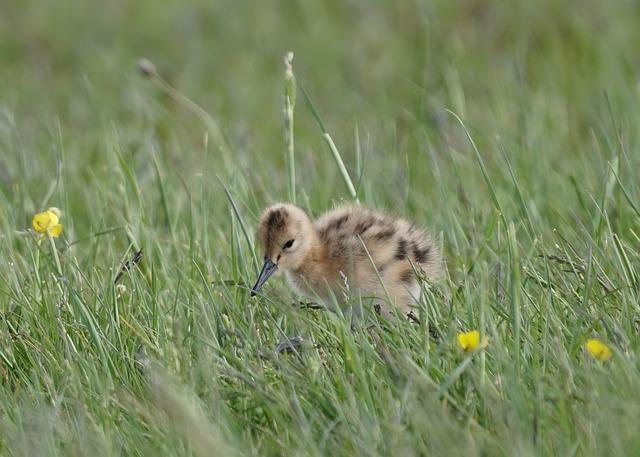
[268, 269]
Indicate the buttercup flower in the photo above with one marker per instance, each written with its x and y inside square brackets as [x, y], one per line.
[48, 222]
[470, 341]
[598, 349]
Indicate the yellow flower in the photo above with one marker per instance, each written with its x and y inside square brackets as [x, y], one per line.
[48, 222]
[470, 341]
[598, 349]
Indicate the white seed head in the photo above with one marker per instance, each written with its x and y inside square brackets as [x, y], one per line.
[288, 65]
[121, 289]
[147, 68]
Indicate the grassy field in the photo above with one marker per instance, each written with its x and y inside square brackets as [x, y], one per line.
[511, 129]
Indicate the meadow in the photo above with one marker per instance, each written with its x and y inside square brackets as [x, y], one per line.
[510, 129]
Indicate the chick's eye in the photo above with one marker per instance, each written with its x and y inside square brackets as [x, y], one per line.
[288, 244]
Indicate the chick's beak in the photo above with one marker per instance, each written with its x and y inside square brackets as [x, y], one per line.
[268, 269]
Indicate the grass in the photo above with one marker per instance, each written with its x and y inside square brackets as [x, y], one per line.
[511, 129]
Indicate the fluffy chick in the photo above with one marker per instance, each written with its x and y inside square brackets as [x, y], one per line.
[352, 246]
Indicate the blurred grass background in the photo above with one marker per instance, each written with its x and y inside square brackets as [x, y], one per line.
[547, 90]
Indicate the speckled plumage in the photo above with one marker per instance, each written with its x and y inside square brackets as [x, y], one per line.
[341, 247]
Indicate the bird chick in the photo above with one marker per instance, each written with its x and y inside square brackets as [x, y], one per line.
[352, 246]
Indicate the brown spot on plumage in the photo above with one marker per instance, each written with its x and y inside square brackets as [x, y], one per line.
[401, 253]
[384, 234]
[333, 227]
[363, 226]
[338, 246]
[407, 276]
[421, 254]
[338, 223]
[276, 219]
